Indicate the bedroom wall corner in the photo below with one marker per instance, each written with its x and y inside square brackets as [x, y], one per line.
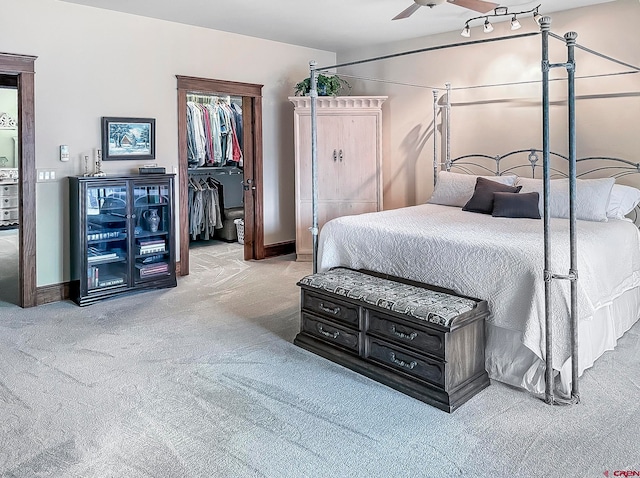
[498, 120]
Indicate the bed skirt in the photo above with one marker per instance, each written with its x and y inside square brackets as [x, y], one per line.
[509, 361]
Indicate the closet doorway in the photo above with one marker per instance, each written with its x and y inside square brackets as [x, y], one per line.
[17, 72]
[248, 98]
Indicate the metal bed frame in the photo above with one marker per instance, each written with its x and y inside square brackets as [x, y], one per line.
[549, 276]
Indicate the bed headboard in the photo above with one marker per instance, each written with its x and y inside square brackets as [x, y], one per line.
[528, 163]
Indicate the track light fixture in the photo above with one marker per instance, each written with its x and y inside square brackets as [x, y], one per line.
[536, 16]
[515, 24]
[501, 12]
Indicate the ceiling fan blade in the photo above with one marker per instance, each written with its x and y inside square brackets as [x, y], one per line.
[406, 13]
[475, 5]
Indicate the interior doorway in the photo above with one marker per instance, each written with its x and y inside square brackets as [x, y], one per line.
[249, 98]
[19, 71]
[9, 197]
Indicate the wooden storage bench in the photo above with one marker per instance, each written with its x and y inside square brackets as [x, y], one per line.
[421, 340]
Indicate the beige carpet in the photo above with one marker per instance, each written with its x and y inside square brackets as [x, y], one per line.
[9, 268]
[203, 381]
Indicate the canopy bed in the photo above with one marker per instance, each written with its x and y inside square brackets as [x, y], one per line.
[527, 271]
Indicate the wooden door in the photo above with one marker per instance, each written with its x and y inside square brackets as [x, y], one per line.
[252, 134]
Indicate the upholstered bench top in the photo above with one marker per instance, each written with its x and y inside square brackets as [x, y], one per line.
[420, 303]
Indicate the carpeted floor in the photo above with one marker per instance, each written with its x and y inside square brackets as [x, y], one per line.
[203, 381]
[9, 268]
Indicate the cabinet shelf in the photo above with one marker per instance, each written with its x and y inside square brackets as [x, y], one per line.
[147, 234]
[108, 231]
[108, 240]
[106, 260]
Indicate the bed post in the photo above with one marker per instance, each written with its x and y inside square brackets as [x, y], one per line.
[448, 145]
[570, 39]
[545, 26]
[313, 93]
[436, 166]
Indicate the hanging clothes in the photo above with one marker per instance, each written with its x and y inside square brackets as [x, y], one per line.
[205, 210]
[214, 132]
[195, 123]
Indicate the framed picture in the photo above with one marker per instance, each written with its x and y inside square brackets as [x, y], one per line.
[128, 138]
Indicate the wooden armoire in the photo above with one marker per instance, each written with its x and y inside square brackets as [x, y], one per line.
[349, 135]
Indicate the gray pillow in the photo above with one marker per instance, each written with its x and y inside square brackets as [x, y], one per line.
[516, 205]
[482, 199]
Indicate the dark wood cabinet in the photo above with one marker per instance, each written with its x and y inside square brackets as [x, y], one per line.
[122, 235]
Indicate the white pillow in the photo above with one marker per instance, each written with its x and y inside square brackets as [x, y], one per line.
[622, 201]
[592, 197]
[455, 189]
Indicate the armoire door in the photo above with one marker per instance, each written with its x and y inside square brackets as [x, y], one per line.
[347, 158]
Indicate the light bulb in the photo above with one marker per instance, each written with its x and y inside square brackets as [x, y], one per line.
[488, 27]
[515, 24]
[466, 32]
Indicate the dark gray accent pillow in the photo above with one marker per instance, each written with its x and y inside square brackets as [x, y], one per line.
[516, 205]
[482, 199]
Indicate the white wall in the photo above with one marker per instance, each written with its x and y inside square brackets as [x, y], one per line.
[498, 120]
[93, 63]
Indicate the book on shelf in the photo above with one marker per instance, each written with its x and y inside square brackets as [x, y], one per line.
[147, 270]
[110, 281]
[150, 242]
[150, 248]
[152, 258]
[97, 235]
[93, 273]
[95, 280]
[94, 255]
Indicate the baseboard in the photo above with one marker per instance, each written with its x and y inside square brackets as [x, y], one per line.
[57, 292]
[53, 293]
[279, 249]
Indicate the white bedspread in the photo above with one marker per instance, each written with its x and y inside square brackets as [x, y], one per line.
[497, 259]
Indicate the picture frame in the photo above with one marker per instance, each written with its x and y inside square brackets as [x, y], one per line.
[128, 138]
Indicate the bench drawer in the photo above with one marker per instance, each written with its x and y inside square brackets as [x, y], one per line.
[431, 342]
[332, 308]
[404, 361]
[330, 332]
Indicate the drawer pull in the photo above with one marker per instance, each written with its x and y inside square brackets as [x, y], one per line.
[402, 335]
[410, 365]
[326, 333]
[330, 310]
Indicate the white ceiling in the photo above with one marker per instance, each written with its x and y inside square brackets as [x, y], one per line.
[332, 25]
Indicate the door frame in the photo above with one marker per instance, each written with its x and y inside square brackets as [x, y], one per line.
[252, 140]
[23, 66]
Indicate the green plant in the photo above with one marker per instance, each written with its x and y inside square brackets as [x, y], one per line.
[327, 85]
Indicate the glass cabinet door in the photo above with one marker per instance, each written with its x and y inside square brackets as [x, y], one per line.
[106, 220]
[152, 228]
